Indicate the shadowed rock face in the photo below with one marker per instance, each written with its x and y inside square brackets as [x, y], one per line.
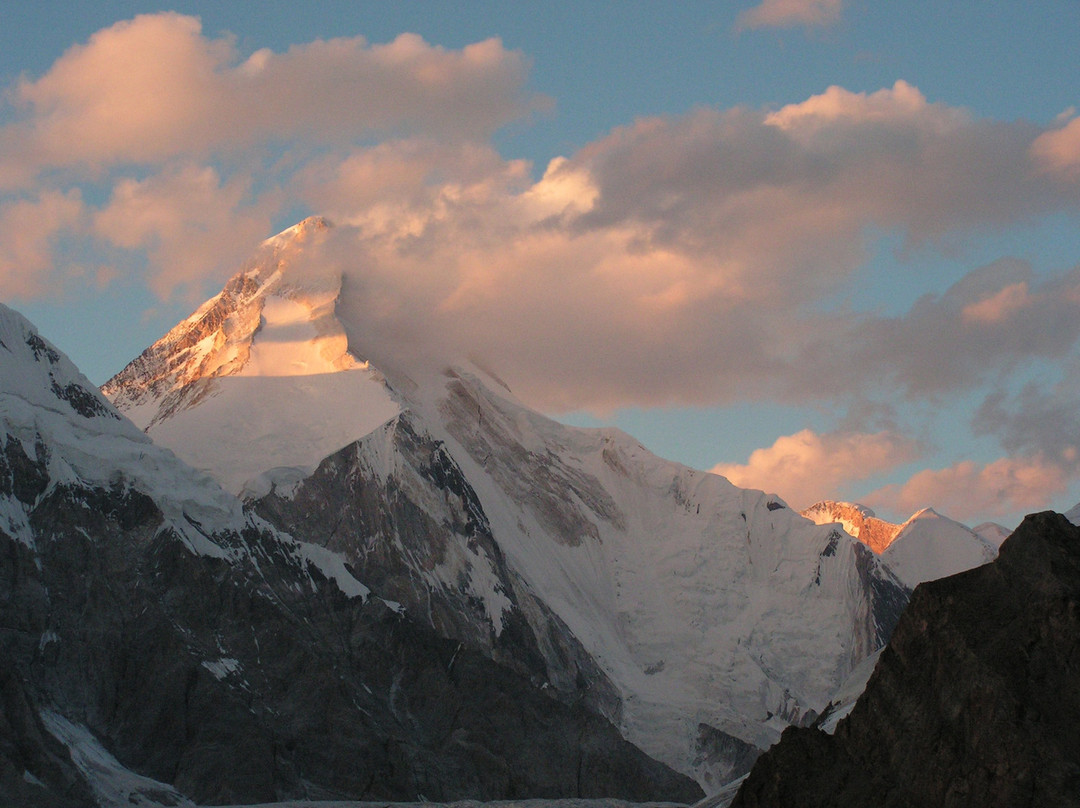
[975, 701]
[248, 682]
[417, 534]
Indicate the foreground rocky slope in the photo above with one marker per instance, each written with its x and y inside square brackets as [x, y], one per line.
[699, 617]
[974, 702]
[160, 644]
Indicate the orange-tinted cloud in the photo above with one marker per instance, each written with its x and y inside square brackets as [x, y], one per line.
[683, 260]
[29, 229]
[191, 224]
[807, 467]
[1058, 149]
[789, 13]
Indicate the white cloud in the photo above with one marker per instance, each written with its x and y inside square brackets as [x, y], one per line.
[807, 467]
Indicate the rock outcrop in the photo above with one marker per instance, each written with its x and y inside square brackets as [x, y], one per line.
[974, 702]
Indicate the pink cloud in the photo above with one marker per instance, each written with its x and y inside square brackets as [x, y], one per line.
[155, 87]
[1058, 149]
[789, 13]
[681, 260]
[900, 106]
[992, 319]
[807, 467]
[192, 224]
[29, 229]
[1001, 306]
[972, 491]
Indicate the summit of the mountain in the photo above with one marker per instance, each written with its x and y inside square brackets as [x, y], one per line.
[859, 521]
[699, 617]
[252, 359]
[271, 319]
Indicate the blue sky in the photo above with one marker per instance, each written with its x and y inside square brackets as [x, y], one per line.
[867, 292]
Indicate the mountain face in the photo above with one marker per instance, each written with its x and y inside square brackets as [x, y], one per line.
[974, 702]
[160, 643]
[925, 547]
[699, 618]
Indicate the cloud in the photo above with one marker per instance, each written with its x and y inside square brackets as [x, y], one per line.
[1059, 149]
[29, 231]
[1036, 420]
[807, 467]
[970, 491]
[154, 88]
[194, 146]
[678, 260]
[989, 322]
[789, 13]
[1039, 429]
[191, 224]
[687, 260]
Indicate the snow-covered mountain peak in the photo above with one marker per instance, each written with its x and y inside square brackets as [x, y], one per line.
[992, 532]
[250, 355]
[925, 513]
[930, 546]
[276, 317]
[1073, 514]
[857, 520]
[926, 546]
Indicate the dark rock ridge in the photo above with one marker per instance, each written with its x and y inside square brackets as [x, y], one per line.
[397, 527]
[216, 660]
[974, 702]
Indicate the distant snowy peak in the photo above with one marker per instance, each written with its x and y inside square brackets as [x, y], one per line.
[276, 317]
[1073, 514]
[925, 547]
[992, 532]
[931, 546]
[858, 521]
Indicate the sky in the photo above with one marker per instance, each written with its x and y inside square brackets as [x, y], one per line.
[827, 248]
